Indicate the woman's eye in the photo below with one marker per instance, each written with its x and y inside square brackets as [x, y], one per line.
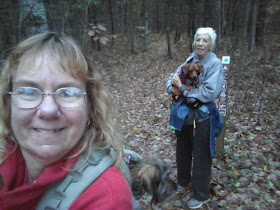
[27, 92]
[68, 93]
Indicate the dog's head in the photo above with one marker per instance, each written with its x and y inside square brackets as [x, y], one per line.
[192, 70]
[152, 176]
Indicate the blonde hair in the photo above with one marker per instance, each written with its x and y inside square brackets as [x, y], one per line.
[102, 130]
[209, 31]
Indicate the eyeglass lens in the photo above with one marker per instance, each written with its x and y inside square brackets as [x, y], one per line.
[27, 97]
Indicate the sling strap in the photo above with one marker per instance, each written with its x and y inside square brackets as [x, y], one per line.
[62, 193]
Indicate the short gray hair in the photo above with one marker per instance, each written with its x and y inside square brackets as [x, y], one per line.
[209, 31]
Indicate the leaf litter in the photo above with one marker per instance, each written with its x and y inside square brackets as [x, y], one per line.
[247, 174]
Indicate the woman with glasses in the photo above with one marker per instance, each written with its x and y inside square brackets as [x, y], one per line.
[54, 109]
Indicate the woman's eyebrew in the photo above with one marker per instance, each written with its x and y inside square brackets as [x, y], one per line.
[29, 97]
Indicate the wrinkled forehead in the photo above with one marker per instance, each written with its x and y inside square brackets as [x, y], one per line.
[203, 36]
[32, 61]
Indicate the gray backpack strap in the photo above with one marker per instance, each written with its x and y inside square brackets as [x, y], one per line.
[64, 192]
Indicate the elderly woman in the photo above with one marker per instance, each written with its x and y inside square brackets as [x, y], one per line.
[195, 138]
[54, 110]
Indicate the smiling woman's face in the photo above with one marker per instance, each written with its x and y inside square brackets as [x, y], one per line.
[47, 132]
[202, 46]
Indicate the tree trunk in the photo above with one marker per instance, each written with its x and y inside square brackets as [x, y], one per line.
[112, 21]
[9, 15]
[246, 22]
[178, 32]
[62, 18]
[146, 22]
[131, 24]
[125, 17]
[254, 25]
[191, 24]
[157, 17]
[261, 22]
[85, 24]
[168, 29]
[33, 17]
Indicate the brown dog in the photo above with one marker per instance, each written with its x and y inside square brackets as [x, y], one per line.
[151, 175]
[189, 77]
[191, 71]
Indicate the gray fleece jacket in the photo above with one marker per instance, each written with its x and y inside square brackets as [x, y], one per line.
[210, 80]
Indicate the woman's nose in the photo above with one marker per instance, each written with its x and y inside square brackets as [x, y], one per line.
[48, 109]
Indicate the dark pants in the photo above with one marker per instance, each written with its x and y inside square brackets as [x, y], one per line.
[194, 148]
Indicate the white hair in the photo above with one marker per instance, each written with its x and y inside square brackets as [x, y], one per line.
[209, 31]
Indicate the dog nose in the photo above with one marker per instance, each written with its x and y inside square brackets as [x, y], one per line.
[194, 76]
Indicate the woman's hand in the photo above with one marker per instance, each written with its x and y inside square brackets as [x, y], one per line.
[175, 91]
[176, 81]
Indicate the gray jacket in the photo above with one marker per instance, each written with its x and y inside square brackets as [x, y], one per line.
[210, 80]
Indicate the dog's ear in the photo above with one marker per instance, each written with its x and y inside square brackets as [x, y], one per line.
[201, 67]
[185, 68]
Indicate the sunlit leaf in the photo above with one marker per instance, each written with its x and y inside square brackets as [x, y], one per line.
[104, 40]
[91, 33]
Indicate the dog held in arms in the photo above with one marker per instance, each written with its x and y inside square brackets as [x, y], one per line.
[189, 77]
[150, 175]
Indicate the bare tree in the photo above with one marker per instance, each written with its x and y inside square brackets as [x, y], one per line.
[254, 25]
[85, 24]
[179, 23]
[112, 20]
[168, 2]
[131, 24]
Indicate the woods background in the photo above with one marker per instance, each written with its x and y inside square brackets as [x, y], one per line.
[241, 22]
[136, 44]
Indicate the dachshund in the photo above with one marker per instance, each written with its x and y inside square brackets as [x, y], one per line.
[190, 72]
[150, 175]
[189, 77]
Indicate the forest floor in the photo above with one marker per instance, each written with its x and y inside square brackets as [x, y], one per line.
[247, 174]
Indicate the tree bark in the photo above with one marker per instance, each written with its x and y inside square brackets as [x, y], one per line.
[254, 25]
[179, 24]
[131, 24]
[33, 17]
[168, 29]
[157, 17]
[85, 24]
[262, 19]
[112, 21]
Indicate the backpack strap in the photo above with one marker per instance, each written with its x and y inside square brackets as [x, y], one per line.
[64, 192]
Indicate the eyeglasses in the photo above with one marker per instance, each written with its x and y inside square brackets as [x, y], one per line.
[28, 97]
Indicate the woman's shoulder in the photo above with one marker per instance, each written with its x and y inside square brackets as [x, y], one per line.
[211, 60]
[109, 191]
[213, 57]
[113, 177]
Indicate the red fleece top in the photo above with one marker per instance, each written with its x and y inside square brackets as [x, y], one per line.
[109, 191]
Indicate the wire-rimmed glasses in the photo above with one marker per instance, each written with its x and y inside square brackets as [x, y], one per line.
[29, 97]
